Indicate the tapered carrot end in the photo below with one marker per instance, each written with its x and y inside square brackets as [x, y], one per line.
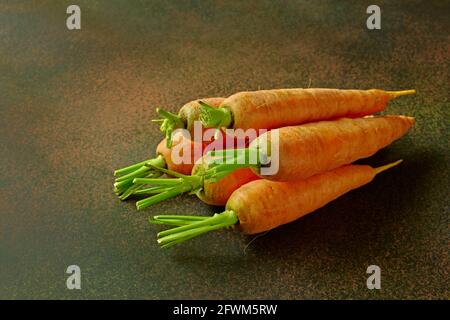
[387, 166]
[395, 94]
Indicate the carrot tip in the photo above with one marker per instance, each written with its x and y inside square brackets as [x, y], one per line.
[387, 166]
[396, 94]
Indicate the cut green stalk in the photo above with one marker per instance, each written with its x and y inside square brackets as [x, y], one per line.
[128, 192]
[151, 190]
[176, 220]
[169, 123]
[125, 189]
[159, 182]
[215, 117]
[121, 186]
[167, 194]
[166, 217]
[173, 222]
[224, 162]
[188, 231]
[139, 170]
[163, 188]
[168, 187]
[133, 174]
[131, 168]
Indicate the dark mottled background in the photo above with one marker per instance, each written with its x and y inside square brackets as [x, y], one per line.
[74, 105]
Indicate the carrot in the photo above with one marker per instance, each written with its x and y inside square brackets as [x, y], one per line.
[262, 205]
[124, 186]
[269, 109]
[188, 114]
[318, 147]
[209, 190]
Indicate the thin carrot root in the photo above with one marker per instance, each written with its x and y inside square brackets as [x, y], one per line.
[189, 228]
[387, 166]
[169, 123]
[396, 94]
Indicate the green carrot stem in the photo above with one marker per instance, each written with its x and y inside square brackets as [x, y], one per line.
[173, 222]
[173, 243]
[124, 184]
[221, 167]
[151, 190]
[168, 217]
[250, 156]
[170, 123]
[169, 172]
[173, 187]
[225, 153]
[133, 174]
[127, 172]
[176, 220]
[130, 191]
[215, 117]
[182, 233]
[129, 169]
[170, 193]
[158, 181]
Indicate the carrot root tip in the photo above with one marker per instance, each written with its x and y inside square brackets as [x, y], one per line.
[400, 93]
[387, 166]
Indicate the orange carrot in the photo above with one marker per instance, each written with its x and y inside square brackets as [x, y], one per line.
[318, 147]
[209, 190]
[188, 114]
[262, 205]
[269, 109]
[183, 143]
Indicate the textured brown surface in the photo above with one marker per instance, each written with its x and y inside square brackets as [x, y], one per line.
[74, 105]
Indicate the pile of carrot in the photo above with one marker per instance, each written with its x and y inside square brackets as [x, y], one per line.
[321, 132]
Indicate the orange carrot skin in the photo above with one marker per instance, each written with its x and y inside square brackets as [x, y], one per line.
[269, 109]
[262, 205]
[190, 112]
[184, 168]
[181, 142]
[318, 147]
[218, 193]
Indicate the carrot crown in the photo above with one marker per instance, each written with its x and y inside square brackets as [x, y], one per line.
[169, 123]
[225, 162]
[215, 117]
[123, 184]
[188, 227]
[162, 189]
